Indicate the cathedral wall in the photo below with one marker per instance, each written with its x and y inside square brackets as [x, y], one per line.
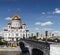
[15, 23]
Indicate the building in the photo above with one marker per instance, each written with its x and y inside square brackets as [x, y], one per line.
[47, 35]
[16, 29]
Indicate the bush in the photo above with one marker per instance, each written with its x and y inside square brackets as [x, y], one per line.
[57, 40]
[33, 37]
[3, 43]
[44, 39]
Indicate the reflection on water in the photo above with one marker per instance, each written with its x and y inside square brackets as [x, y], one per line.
[24, 53]
[12, 53]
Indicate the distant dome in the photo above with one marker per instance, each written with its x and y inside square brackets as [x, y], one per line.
[23, 23]
[16, 17]
[9, 23]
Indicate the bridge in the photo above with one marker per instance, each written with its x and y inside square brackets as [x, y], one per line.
[42, 47]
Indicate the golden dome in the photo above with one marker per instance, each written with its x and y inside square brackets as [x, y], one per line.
[23, 23]
[16, 17]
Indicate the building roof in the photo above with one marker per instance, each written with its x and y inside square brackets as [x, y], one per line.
[23, 23]
[16, 27]
[27, 30]
[13, 28]
[9, 23]
[16, 17]
[5, 30]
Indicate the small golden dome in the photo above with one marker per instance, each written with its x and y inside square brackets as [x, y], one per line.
[16, 17]
[5, 30]
[27, 30]
[23, 23]
[9, 23]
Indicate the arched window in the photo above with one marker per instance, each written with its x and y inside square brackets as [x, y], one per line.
[16, 34]
[23, 35]
[6, 34]
[9, 34]
[12, 34]
[9, 26]
[17, 30]
[20, 30]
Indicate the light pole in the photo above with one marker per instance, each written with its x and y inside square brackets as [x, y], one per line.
[46, 34]
[46, 43]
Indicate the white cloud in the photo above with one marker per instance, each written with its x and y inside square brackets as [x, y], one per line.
[38, 23]
[37, 29]
[43, 13]
[18, 9]
[8, 18]
[9, 9]
[1, 33]
[48, 29]
[5, 28]
[44, 24]
[57, 10]
[56, 33]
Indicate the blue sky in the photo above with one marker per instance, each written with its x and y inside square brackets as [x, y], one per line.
[39, 15]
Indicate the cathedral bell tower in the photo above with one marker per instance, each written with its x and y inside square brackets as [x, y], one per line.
[23, 25]
[9, 25]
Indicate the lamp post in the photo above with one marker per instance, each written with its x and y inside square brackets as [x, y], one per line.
[46, 43]
[46, 34]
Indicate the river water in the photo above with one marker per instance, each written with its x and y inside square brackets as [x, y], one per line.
[54, 50]
[12, 53]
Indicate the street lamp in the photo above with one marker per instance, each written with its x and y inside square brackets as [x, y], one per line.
[46, 43]
[46, 34]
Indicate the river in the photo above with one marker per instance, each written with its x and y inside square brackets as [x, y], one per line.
[12, 53]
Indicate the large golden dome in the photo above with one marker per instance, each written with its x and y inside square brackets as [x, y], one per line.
[16, 17]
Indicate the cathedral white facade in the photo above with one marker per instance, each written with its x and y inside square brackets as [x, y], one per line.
[16, 29]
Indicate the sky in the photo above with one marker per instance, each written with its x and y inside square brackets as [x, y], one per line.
[39, 15]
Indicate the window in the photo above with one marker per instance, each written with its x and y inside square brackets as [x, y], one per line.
[9, 26]
[21, 35]
[16, 34]
[12, 30]
[24, 31]
[5, 34]
[16, 24]
[12, 34]
[17, 30]
[9, 30]
[20, 30]
[9, 34]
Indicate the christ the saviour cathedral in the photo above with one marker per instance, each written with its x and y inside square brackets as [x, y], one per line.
[16, 30]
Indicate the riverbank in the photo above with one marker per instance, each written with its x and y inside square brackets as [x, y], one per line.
[10, 53]
[10, 48]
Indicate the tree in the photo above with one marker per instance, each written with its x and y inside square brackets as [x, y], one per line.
[1, 38]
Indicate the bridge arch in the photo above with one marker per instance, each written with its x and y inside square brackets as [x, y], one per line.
[36, 51]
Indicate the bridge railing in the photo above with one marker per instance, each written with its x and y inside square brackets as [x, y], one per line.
[42, 45]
